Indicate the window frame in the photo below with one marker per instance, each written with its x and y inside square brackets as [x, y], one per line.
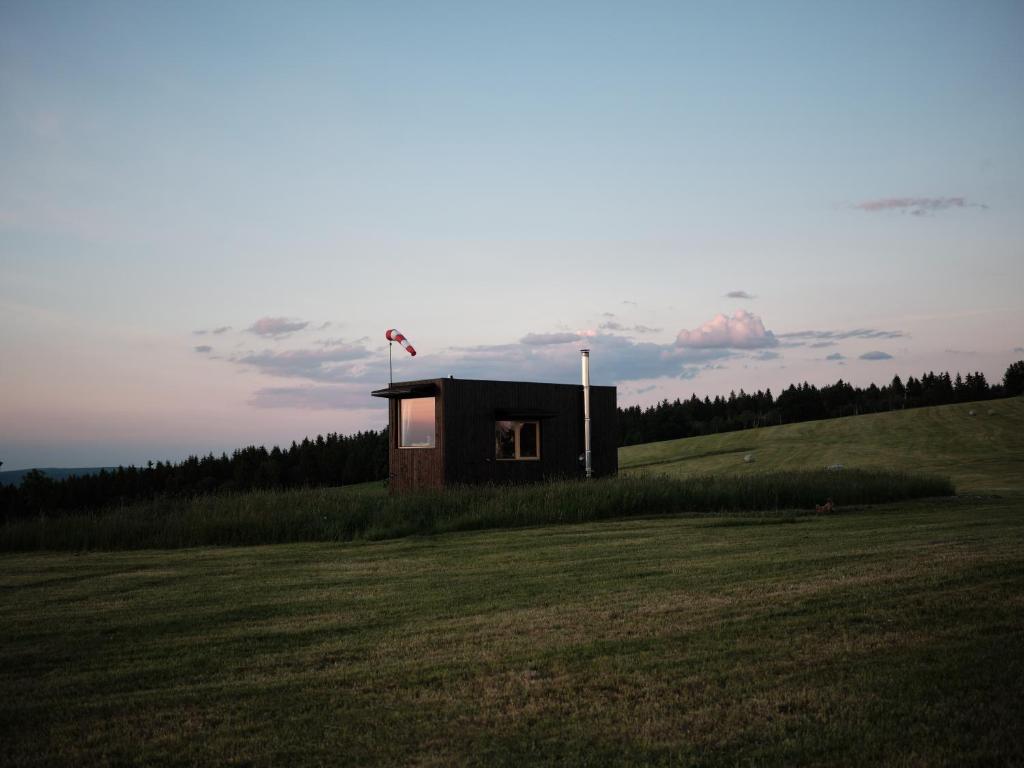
[517, 428]
[400, 432]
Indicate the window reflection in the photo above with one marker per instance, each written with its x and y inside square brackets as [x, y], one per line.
[416, 422]
[516, 440]
[504, 440]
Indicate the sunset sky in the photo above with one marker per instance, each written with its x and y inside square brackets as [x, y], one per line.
[210, 213]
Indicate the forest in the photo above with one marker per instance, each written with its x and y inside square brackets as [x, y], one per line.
[335, 459]
[806, 402]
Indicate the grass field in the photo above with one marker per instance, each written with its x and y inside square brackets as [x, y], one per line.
[984, 451]
[883, 635]
[348, 513]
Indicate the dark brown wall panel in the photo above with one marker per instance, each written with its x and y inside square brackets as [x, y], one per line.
[471, 413]
[466, 412]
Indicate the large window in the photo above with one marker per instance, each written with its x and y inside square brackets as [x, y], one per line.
[517, 440]
[416, 428]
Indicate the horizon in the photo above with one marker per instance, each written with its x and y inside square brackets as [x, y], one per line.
[210, 215]
[288, 443]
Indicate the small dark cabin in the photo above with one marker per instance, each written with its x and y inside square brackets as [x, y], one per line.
[448, 431]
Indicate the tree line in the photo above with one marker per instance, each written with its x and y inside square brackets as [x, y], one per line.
[325, 460]
[345, 459]
[806, 402]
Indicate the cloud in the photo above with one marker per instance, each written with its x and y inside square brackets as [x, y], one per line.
[335, 373]
[218, 331]
[836, 356]
[330, 364]
[614, 359]
[276, 327]
[611, 325]
[542, 339]
[325, 397]
[631, 303]
[203, 349]
[739, 295]
[742, 330]
[337, 342]
[856, 333]
[916, 206]
[1018, 350]
[876, 355]
[820, 344]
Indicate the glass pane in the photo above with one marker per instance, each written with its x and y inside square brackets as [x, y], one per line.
[417, 427]
[528, 440]
[504, 440]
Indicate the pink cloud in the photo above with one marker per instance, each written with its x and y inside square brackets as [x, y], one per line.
[741, 330]
[916, 206]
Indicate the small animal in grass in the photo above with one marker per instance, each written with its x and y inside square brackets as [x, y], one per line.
[824, 509]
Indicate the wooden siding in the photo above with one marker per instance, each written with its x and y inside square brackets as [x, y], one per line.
[466, 412]
[416, 468]
[471, 413]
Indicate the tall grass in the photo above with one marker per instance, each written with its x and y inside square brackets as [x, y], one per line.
[339, 514]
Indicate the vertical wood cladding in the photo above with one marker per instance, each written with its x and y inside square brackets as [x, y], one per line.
[466, 412]
[417, 468]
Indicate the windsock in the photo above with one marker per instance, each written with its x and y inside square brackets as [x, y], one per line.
[395, 335]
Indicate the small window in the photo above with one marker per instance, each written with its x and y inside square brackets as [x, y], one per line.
[517, 440]
[416, 427]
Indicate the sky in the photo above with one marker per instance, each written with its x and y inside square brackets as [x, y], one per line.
[210, 213]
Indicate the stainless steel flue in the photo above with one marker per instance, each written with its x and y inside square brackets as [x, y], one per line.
[585, 357]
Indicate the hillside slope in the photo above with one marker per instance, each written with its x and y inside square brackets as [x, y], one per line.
[980, 452]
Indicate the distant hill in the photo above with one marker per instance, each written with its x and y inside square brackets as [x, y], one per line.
[980, 446]
[13, 476]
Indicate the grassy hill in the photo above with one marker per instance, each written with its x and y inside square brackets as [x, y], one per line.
[883, 635]
[980, 452]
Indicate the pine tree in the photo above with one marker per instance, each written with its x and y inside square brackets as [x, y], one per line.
[1013, 379]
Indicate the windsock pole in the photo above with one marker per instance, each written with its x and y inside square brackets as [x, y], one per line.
[391, 373]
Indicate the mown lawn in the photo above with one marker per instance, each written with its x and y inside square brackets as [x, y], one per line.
[984, 451]
[886, 635]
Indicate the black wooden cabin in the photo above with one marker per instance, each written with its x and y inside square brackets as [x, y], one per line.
[449, 431]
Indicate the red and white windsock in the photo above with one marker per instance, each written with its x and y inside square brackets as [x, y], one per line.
[395, 335]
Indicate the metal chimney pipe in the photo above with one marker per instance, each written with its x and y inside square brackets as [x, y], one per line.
[585, 358]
